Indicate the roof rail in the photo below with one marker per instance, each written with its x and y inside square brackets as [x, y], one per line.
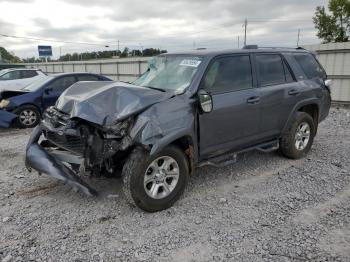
[276, 47]
[250, 47]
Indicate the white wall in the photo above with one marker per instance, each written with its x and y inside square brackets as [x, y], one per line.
[125, 69]
[335, 58]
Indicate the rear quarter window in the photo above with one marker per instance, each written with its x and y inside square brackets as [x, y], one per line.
[310, 66]
[28, 73]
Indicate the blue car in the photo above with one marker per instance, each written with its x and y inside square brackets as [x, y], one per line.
[25, 107]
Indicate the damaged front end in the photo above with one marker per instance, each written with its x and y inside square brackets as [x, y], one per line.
[71, 147]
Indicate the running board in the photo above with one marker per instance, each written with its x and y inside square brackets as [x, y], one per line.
[220, 161]
[270, 147]
[228, 159]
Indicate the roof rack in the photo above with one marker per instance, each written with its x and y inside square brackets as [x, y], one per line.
[250, 47]
[276, 47]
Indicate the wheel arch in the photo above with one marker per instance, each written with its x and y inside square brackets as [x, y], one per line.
[186, 143]
[310, 106]
[29, 104]
[312, 110]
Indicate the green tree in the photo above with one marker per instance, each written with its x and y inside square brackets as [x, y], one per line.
[8, 57]
[333, 27]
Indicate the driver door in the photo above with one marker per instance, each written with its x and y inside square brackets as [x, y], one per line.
[234, 120]
[55, 88]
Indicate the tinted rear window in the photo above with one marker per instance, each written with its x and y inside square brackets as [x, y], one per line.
[270, 69]
[28, 73]
[310, 66]
[87, 78]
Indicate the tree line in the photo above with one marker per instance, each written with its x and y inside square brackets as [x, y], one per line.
[7, 57]
[101, 55]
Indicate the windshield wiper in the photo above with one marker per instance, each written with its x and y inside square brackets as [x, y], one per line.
[155, 88]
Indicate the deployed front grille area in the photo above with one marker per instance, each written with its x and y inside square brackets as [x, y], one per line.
[74, 144]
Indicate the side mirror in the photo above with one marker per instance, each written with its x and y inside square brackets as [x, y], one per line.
[205, 101]
[328, 83]
[48, 90]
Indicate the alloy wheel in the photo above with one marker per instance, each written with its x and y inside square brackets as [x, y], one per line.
[302, 136]
[27, 117]
[161, 177]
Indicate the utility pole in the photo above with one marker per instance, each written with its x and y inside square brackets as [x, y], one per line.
[116, 53]
[298, 37]
[245, 31]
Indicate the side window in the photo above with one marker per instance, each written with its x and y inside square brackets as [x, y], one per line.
[229, 74]
[28, 73]
[310, 66]
[87, 78]
[12, 75]
[270, 69]
[61, 84]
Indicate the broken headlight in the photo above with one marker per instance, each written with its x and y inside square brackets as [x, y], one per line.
[121, 128]
[4, 103]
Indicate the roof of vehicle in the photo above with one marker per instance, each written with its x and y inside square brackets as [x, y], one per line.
[211, 52]
[73, 73]
[19, 69]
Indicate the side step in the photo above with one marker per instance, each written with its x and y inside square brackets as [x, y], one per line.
[269, 147]
[220, 161]
[230, 158]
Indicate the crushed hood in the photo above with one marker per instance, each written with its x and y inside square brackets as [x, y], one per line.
[7, 94]
[106, 103]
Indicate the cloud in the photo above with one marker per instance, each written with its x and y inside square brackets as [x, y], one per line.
[173, 25]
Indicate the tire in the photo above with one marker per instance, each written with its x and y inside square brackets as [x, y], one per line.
[28, 116]
[138, 191]
[294, 143]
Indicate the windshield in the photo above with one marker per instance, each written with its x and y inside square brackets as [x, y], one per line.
[170, 72]
[4, 71]
[37, 84]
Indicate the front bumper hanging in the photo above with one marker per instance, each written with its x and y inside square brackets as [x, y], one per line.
[6, 118]
[48, 163]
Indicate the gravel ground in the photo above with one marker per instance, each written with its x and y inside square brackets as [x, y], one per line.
[263, 208]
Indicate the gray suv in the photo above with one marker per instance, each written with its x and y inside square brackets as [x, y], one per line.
[186, 111]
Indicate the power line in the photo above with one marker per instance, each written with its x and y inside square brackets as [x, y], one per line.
[52, 40]
[191, 33]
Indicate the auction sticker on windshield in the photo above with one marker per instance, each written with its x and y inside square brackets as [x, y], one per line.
[190, 62]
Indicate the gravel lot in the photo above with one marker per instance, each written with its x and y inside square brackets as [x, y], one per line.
[263, 208]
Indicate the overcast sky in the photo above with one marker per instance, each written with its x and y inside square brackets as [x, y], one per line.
[173, 25]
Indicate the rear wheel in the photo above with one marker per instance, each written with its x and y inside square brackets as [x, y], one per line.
[155, 183]
[298, 139]
[28, 116]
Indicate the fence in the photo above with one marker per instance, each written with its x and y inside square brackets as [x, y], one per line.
[335, 58]
[127, 69]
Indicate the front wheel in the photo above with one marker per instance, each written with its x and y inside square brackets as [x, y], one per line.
[155, 183]
[298, 139]
[28, 116]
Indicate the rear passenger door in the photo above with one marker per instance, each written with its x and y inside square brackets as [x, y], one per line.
[234, 120]
[278, 91]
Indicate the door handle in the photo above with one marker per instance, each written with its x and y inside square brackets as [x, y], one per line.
[293, 92]
[253, 100]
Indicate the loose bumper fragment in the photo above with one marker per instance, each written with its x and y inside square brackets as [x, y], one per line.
[45, 163]
[6, 118]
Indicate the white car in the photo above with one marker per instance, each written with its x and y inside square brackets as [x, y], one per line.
[16, 79]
